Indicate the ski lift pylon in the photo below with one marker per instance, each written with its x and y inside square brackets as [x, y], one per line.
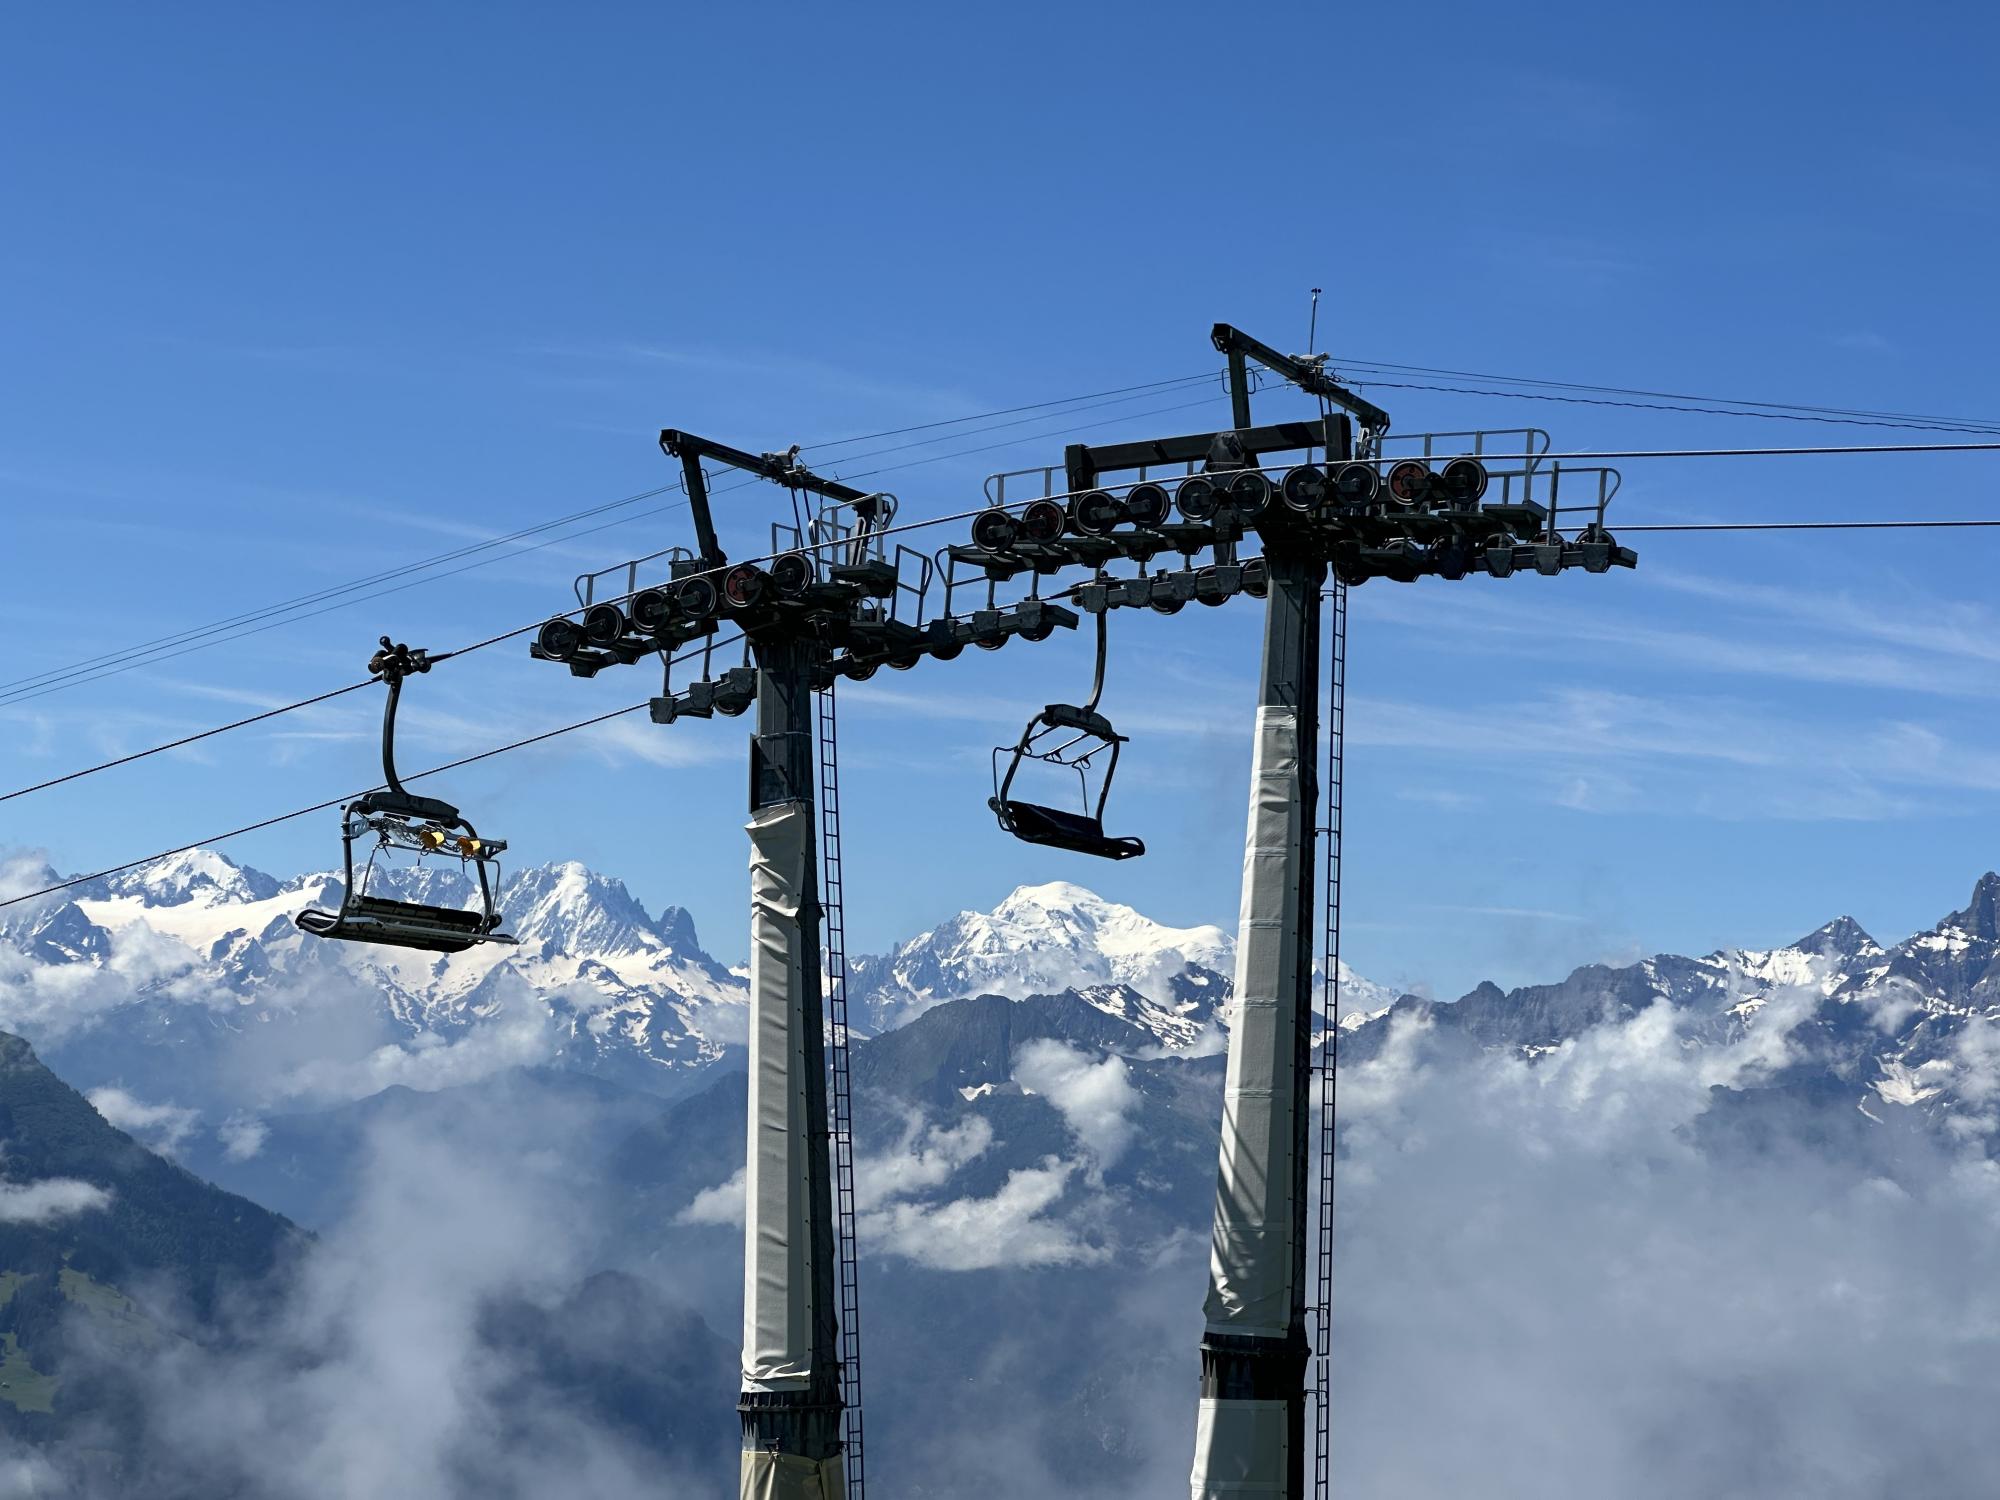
[399, 819]
[1071, 737]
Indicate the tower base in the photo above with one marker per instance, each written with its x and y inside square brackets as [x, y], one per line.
[787, 1476]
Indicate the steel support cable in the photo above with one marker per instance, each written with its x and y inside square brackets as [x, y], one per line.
[1879, 448]
[633, 708]
[1065, 593]
[1974, 424]
[153, 651]
[1715, 411]
[272, 713]
[1047, 416]
[461, 651]
[851, 458]
[186, 739]
[159, 649]
[133, 864]
[968, 515]
[155, 659]
[160, 643]
[1012, 410]
[1806, 525]
[450, 765]
[466, 650]
[989, 447]
[1816, 450]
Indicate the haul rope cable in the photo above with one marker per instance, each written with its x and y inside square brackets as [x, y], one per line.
[967, 515]
[200, 639]
[1017, 422]
[1789, 452]
[633, 708]
[1805, 525]
[1066, 592]
[1967, 424]
[451, 765]
[80, 680]
[1008, 411]
[186, 739]
[1713, 411]
[158, 649]
[480, 645]
[134, 864]
[58, 679]
[272, 713]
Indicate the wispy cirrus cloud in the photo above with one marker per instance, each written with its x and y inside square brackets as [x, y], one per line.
[780, 369]
[1934, 647]
[1711, 755]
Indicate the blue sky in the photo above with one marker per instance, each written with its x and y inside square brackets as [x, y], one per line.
[294, 297]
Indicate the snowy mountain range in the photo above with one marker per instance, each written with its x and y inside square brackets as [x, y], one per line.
[193, 952]
[1036, 1104]
[196, 950]
[1867, 1030]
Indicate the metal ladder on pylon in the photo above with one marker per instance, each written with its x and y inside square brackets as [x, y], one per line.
[841, 1122]
[1336, 726]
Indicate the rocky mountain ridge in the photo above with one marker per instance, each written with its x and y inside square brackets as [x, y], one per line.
[195, 950]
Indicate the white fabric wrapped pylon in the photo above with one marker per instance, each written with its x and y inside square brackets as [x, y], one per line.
[1242, 1446]
[786, 1476]
[777, 1180]
[1251, 1253]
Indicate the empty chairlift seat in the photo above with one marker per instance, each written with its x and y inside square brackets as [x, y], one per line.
[394, 820]
[1080, 831]
[421, 826]
[1068, 738]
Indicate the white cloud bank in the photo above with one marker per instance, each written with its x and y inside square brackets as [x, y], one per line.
[50, 1199]
[1597, 1289]
[1095, 1099]
[164, 1127]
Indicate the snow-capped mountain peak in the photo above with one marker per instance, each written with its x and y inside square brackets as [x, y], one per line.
[1981, 917]
[1042, 940]
[569, 908]
[1843, 936]
[1070, 914]
[201, 876]
[624, 992]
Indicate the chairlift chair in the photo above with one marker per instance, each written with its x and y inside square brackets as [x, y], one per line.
[1071, 737]
[399, 819]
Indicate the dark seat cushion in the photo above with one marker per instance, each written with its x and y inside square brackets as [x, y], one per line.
[1078, 832]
